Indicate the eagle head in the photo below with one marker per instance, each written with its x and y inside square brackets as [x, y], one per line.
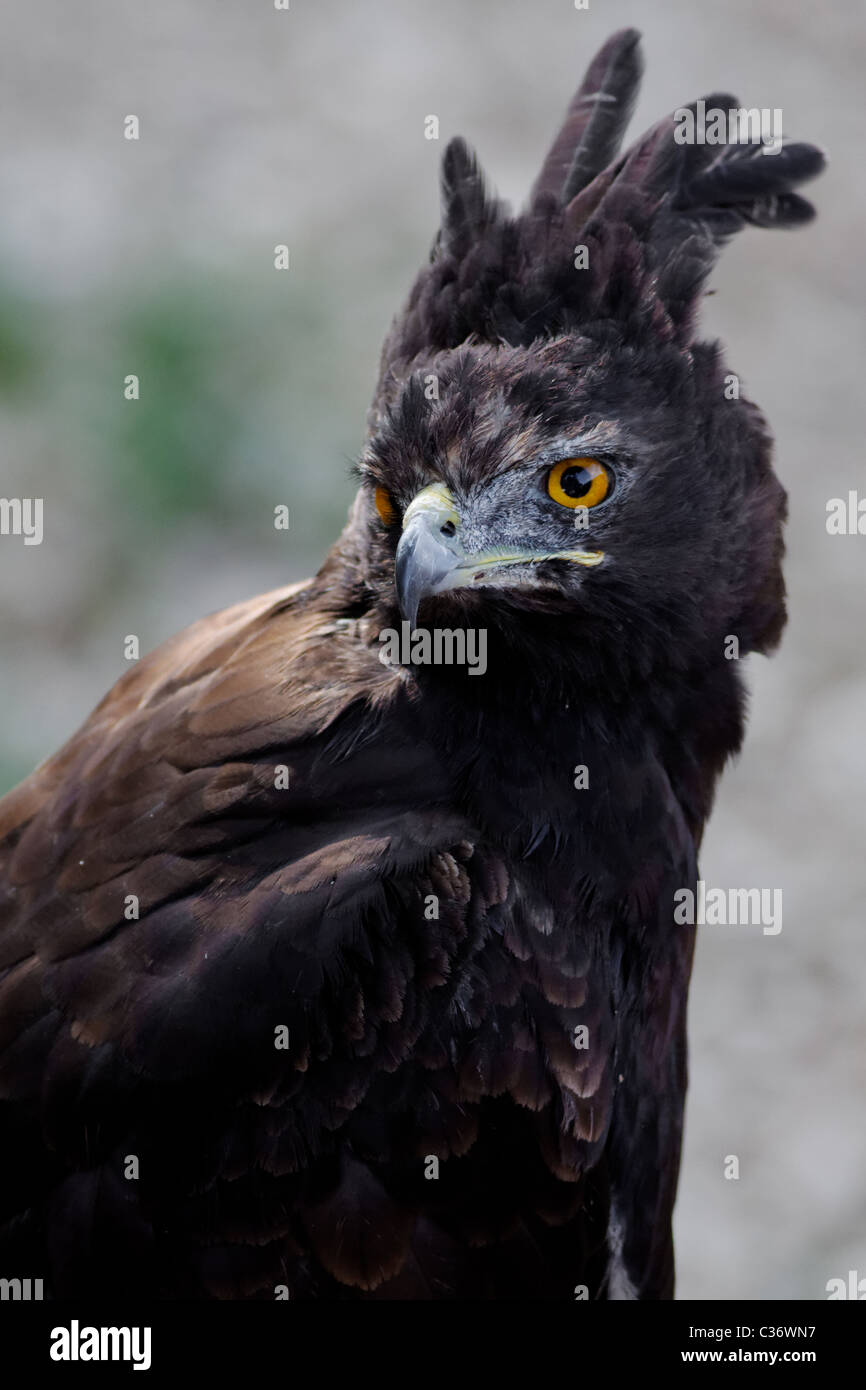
[550, 449]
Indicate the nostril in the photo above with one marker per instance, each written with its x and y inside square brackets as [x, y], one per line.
[449, 529]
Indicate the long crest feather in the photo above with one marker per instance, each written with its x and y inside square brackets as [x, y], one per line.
[653, 218]
[466, 206]
[596, 119]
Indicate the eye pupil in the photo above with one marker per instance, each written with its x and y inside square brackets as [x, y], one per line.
[576, 482]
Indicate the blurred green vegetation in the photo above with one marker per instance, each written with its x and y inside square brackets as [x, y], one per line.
[253, 392]
[19, 343]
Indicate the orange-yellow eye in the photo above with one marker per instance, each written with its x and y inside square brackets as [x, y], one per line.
[385, 507]
[579, 482]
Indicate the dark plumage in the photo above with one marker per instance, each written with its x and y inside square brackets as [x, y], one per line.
[412, 1032]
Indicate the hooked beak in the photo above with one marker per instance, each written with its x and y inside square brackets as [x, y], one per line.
[429, 549]
[431, 558]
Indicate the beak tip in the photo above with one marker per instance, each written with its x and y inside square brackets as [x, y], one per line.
[423, 561]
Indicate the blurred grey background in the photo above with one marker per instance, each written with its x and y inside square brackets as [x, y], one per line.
[156, 257]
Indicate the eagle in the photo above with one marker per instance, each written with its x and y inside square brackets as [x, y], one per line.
[338, 948]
